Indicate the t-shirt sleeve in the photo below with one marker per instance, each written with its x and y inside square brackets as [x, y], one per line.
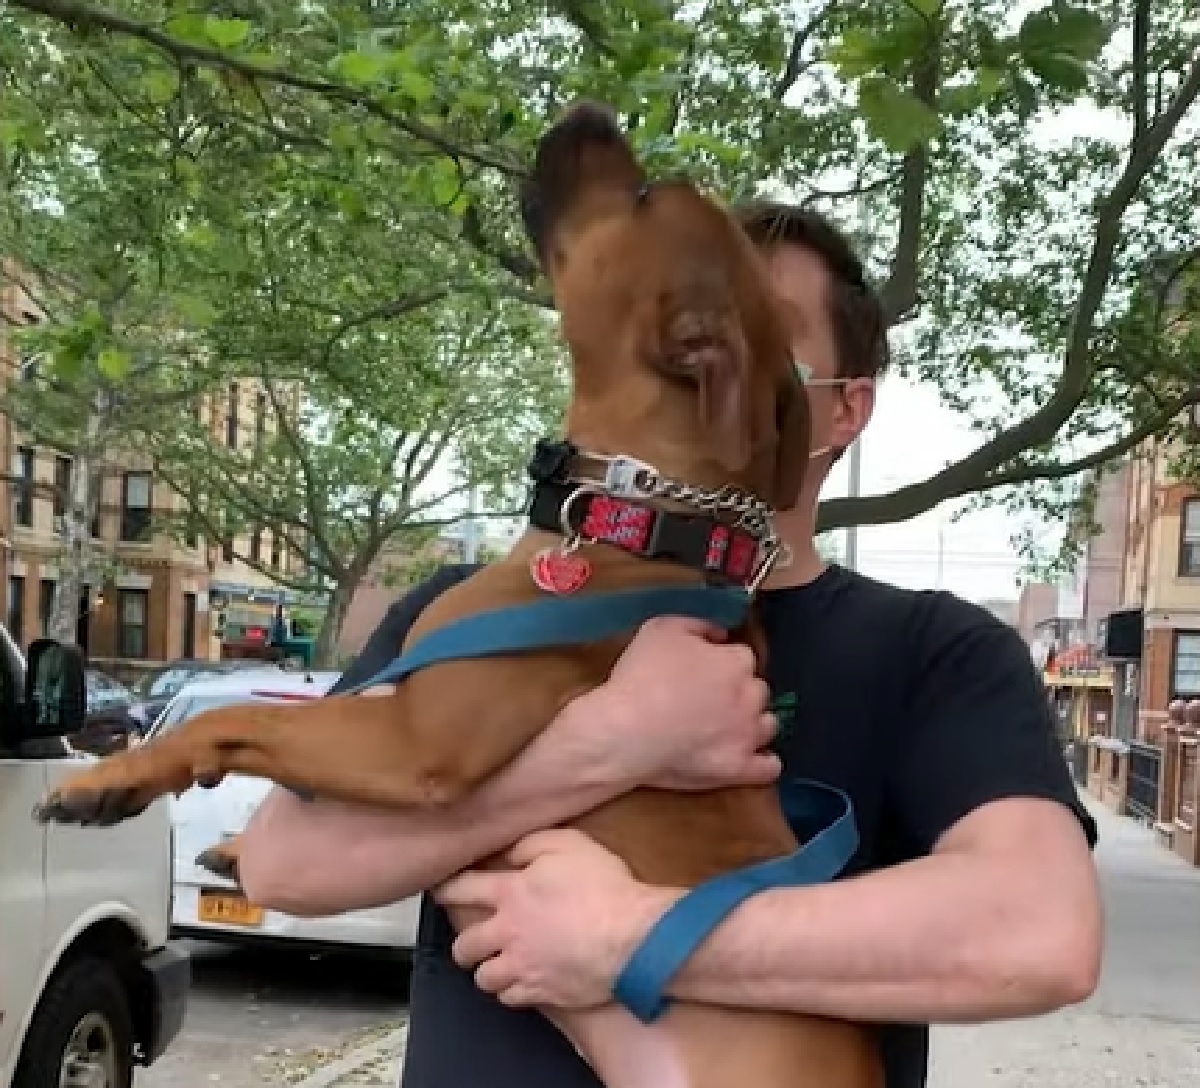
[385, 642]
[978, 728]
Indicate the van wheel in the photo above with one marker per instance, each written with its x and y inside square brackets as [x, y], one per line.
[82, 1032]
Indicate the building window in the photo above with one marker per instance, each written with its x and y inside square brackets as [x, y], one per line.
[132, 606]
[1185, 665]
[96, 498]
[188, 642]
[135, 506]
[22, 485]
[45, 604]
[260, 419]
[62, 486]
[231, 418]
[1189, 540]
[15, 610]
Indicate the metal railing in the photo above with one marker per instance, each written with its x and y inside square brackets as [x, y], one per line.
[1145, 769]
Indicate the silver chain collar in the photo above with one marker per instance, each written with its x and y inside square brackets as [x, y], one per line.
[629, 478]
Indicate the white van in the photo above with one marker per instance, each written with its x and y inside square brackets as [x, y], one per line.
[89, 986]
[212, 908]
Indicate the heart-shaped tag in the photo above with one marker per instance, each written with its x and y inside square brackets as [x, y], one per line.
[557, 572]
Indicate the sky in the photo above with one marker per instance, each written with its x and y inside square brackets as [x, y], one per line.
[976, 559]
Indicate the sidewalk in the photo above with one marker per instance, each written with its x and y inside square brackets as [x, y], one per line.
[1142, 1027]
[1140, 1030]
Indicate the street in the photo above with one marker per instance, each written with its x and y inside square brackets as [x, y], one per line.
[265, 1017]
[273, 1018]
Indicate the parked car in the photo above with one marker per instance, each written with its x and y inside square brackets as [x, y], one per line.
[157, 688]
[108, 724]
[211, 908]
[89, 986]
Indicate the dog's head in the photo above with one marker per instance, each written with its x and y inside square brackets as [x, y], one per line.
[679, 352]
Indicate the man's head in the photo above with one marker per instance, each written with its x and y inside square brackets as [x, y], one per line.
[836, 321]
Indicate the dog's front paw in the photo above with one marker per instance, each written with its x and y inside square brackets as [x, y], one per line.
[112, 790]
[91, 807]
[220, 861]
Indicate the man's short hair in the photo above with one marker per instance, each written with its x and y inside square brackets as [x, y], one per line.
[855, 308]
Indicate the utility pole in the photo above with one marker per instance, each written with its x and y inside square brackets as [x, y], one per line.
[471, 528]
[854, 492]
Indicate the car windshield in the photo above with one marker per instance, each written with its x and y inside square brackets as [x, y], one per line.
[166, 683]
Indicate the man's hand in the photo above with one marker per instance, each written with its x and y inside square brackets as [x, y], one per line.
[683, 710]
[557, 929]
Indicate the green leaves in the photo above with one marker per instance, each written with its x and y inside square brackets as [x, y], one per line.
[113, 363]
[226, 33]
[1060, 43]
[359, 68]
[896, 116]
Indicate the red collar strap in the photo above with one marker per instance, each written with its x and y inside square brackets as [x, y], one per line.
[722, 552]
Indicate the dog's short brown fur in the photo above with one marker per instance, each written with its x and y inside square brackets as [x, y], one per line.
[679, 359]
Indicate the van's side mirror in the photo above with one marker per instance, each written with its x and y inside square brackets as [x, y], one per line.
[55, 693]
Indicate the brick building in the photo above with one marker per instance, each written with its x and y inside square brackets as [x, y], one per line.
[154, 604]
[1153, 636]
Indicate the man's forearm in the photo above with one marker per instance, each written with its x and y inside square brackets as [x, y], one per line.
[323, 857]
[958, 936]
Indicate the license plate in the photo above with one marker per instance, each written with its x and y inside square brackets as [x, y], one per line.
[228, 909]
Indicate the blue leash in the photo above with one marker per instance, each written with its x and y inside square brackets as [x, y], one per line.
[822, 817]
[820, 814]
[562, 621]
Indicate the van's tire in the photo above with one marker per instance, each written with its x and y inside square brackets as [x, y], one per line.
[83, 1016]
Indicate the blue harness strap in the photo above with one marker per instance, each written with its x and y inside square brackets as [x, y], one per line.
[563, 621]
[823, 819]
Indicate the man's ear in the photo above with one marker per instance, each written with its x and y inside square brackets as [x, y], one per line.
[794, 426]
[579, 161]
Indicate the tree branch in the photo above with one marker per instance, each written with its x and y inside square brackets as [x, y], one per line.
[795, 66]
[77, 16]
[1141, 67]
[901, 292]
[1040, 428]
[898, 505]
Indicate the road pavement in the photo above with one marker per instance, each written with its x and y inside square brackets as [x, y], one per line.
[263, 1018]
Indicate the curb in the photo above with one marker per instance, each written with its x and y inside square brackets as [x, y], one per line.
[381, 1053]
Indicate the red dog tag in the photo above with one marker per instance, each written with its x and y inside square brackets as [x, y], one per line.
[557, 572]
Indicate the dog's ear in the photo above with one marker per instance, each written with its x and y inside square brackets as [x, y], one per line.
[585, 155]
[794, 427]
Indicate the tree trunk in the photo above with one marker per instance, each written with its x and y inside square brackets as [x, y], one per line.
[335, 616]
[76, 554]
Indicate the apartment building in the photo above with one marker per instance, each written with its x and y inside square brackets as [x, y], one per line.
[1153, 635]
[155, 599]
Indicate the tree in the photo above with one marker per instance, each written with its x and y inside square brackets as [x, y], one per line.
[81, 239]
[898, 116]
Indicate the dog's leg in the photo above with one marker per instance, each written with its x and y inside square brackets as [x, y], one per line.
[443, 731]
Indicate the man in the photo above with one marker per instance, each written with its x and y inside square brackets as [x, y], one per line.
[972, 896]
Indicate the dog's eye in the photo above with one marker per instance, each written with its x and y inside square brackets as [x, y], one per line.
[642, 195]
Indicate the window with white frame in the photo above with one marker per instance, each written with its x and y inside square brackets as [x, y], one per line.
[1185, 666]
[1189, 539]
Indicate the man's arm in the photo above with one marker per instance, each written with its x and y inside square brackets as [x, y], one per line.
[1002, 918]
[681, 711]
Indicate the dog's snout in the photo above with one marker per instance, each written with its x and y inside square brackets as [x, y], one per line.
[691, 327]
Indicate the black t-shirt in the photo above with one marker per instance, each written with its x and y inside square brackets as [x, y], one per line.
[919, 705]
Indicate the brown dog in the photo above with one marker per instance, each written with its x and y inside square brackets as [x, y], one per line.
[681, 361]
